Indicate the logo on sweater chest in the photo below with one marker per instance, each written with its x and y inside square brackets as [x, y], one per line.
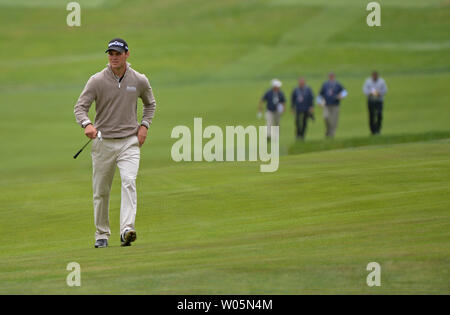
[131, 88]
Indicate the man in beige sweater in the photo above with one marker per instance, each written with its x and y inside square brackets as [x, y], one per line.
[115, 91]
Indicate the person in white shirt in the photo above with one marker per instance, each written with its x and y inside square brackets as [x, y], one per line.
[375, 89]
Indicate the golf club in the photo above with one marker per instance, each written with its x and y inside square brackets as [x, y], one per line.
[99, 135]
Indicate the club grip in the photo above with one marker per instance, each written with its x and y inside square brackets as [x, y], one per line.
[78, 153]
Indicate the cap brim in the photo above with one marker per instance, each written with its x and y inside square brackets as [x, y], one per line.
[119, 49]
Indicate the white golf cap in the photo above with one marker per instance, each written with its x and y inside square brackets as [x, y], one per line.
[276, 83]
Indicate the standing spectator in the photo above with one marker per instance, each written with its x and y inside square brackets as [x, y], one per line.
[302, 106]
[375, 88]
[332, 92]
[275, 101]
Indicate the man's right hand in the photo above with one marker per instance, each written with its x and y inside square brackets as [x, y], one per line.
[90, 131]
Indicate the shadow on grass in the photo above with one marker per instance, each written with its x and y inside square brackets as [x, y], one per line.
[323, 145]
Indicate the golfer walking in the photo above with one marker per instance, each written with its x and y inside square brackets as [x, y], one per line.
[115, 91]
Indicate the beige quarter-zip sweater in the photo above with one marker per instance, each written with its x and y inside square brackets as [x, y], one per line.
[116, 102]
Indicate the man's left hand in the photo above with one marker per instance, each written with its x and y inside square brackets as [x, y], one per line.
[142, 135]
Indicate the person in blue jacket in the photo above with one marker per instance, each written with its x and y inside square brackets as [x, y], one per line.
[275, 103]
[332, 92]
[302, 106]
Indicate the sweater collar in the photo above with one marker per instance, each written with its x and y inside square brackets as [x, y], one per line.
[128, 66]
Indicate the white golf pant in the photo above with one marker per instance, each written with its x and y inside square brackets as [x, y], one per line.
[272, 119]
[331, 116]
[106, 154]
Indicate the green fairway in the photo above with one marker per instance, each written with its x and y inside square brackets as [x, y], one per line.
[321, 145]
[326, 217]
[225, 228]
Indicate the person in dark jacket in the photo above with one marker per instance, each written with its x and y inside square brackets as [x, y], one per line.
[275, 103]
[332, 92]
[302, 106]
